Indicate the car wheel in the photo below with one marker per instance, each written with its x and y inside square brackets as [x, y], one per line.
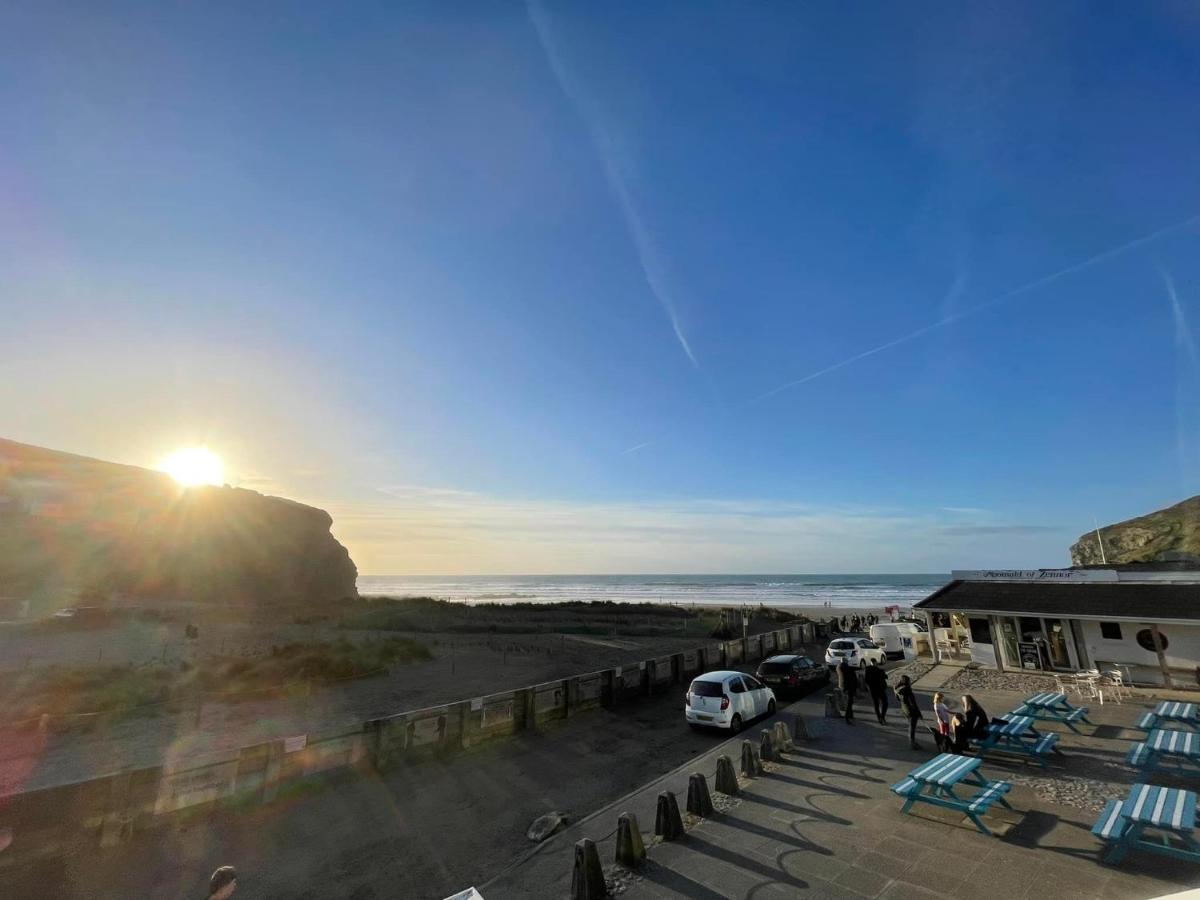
[771, 708]
[735, 724]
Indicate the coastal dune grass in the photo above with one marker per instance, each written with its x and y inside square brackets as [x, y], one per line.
[597, 617]
[77, 691]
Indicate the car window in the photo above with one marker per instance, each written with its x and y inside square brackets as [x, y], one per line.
[806, 662]
[707, 688]
[752, 684]
[842, 645]
[866, 644]
[735, 686]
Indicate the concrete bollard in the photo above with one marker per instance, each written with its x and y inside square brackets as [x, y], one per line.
[801, 729]
[587, 881]
[631, 850]
[750, 760]
[833, 705]
[783, 741]
[699, 803]
[668, 824]
[766, 748]
[727, 782]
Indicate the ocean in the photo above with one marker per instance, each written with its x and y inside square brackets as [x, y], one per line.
[850, 591]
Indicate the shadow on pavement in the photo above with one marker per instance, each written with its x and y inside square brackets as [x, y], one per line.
[828, 771]
[745, 863]
[796, 840]
[815, 785]
[669, 878]
[811, 812]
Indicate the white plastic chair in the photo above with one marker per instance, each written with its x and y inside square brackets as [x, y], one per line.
[1116, 685]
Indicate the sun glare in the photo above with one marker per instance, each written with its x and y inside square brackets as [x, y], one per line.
[192, 466]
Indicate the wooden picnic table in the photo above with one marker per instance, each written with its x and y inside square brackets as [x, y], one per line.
[1018, 735]
[1171, 812]
[1182, 747]
[1053, 707]
[934, 783]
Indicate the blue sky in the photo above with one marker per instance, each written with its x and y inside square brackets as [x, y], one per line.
[563, 288]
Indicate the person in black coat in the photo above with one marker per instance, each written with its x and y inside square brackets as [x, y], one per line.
[908, 706]
[847, 682]
[877, 686]
[975, 718]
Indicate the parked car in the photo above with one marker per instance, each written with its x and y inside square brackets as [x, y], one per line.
[727, 700]
[791, 675]
[890, 637]
[856, 652]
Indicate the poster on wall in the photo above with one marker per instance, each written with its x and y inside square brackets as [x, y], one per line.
[1030, 658]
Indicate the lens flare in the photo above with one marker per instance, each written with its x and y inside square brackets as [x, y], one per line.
[192, 466]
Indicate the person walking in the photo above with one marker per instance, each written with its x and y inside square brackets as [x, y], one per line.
[908, 705]
[223, 883]
[877, 686]
[847, 682]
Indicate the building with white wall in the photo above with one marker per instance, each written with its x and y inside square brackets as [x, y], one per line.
[1143, 619]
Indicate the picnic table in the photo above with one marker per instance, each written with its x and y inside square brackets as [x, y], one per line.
[934, 783]
[1171, 812]
[1018, 735]
[1173, 711]
[1054, 708]
[1182, 747]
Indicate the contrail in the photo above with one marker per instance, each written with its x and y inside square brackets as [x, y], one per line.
[995, 301]
[636, 447]
[1183, 334]
[648, 258]
[1188, 369]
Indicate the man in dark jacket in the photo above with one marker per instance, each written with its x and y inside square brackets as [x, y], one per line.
[908, 706]
[877, 685]
[847, 682]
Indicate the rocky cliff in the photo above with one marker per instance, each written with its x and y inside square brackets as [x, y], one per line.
[77, 530]
[1171, 533]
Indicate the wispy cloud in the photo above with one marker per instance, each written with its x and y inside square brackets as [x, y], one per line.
[963, 510]
[601, 134]
[989, 530]
[988, 304]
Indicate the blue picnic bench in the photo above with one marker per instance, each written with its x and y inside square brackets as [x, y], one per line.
[1171, 812]
[1053, 707]
[935, 781]
[1180, 747]
[1017, 735]
[1174, 712]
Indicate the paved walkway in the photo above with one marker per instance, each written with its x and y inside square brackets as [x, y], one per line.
[823, 823]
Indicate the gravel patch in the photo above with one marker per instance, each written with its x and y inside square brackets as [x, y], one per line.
[993, 680]
[913, 670]
[1081, 793]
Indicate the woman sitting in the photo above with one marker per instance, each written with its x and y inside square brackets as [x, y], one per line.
[976, 719]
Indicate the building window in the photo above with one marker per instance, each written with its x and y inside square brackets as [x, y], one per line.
[1145, 639]
[981, 631]
[1111, 631]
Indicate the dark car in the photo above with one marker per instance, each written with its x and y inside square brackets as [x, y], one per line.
[791, 674]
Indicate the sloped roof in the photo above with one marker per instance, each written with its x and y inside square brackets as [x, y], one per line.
[1138, 601]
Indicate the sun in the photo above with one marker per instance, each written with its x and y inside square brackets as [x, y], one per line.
[192, 466]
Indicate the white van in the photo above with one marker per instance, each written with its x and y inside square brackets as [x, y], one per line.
[891, 636]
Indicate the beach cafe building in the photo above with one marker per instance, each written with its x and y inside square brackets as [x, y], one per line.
[1140, 619]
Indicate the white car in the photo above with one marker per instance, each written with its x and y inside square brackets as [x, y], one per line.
[727, 700]
[856, 652]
